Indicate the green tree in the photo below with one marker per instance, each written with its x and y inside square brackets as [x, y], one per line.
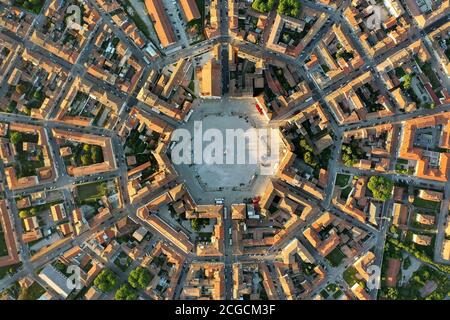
[15, 137]
[23, 214]
[407, 81]
[305, 145]
[263, 5]
[381, 187]
[392, 293]
[309, 159]
[106, 280]
[195, 224]
[33, 211]
[11, 106]
[139, 278]
[35, 2]
[289, 8]
[87, 148]
[102, 189]
[38, 95]
[125, 293]
[96, 154]
[86, 159]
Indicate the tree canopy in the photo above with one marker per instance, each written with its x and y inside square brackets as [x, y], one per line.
[91, 154]
[106, 280]
[15, 137]
[289, 8]
[139, 278]
[23, 214]
[102, 189]
[263, 5]
[96, 154]
[351, 154]
[27, 213]
[407, 79]
[125, 293]
[86, 160]
[381, 187]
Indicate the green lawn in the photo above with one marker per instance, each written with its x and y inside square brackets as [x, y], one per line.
[33, 6]
[350, 277]
[345, 192]
[26, 168]
[192, 86]
[90, 191]
[342, 180]
[3, 248]
[335, 257]
[337, 294]
[32, 293]
[324, 294]
[426, 204]
[205, 236]
[334, 290]
[35, 291]
[429, 72]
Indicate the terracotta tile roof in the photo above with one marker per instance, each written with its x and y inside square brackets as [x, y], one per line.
[161, 22]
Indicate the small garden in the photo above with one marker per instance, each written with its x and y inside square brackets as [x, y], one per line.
[426, 204]
[91, 192]
[342, 180]
[123, 261]
[335, 257]
[34, 6]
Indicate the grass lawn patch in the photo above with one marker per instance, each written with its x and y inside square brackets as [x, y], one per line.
[205, 236]
[33, 6]
[91, 191]
[430, 73]
[192, 86]
[201, 8]
[350, 276]
[342, 180]
[345, 192]
[34, 291]
[426, 204]
[337, 294]
[335, 257]
[3, 247]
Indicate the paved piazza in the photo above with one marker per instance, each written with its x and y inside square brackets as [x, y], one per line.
[231, 181]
